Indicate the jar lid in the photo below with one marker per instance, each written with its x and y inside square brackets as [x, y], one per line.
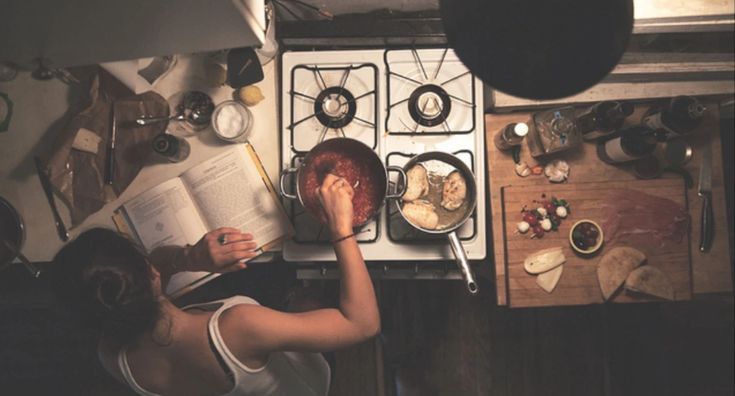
[520, 129]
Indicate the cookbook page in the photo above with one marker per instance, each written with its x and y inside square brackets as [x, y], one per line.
[231, 191]
[165, 215]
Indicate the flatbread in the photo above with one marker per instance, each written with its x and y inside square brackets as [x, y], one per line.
[544, 260]
[548, 280]
[615, 266]
[651, 281]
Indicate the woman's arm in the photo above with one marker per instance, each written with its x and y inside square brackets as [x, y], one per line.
[357, 317]
[209, 254]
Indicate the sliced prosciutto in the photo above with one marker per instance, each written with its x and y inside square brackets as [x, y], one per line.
[634, 216]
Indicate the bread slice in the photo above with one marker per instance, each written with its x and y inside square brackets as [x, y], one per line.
[86, 140]
[614, 267]
[548, 280]
[544, 260]
[651, 281]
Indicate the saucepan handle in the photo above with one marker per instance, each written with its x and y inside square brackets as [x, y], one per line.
[402, 181]
[463, 263]
[282, 183]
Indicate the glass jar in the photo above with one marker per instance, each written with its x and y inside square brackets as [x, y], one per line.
[232, 121]
[554, 131]
[511, 135]
[174, 149]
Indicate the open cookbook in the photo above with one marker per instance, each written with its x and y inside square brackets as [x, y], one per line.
[229, 190]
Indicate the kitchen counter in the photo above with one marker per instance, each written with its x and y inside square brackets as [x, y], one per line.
[710, 272]
[39, 113]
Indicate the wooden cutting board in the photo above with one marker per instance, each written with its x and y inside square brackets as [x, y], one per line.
[578, 283]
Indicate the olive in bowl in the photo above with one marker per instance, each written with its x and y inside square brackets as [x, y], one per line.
[586, 237]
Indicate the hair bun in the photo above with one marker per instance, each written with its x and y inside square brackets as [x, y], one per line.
[110, 288]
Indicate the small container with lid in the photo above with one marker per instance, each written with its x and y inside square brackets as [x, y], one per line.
[173, 148]
[232, 121]
[511, 135]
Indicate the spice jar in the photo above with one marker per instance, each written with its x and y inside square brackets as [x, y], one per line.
[511, 135]
[173, 148]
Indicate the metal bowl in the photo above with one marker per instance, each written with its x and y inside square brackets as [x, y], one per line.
[11, 230]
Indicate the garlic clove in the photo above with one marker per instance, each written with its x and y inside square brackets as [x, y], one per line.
[522, 169]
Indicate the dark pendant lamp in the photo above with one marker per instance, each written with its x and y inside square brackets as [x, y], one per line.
[538, 49]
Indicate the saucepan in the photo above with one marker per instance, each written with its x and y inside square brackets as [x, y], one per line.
[12, 236]
[351, 160]
[439, 165]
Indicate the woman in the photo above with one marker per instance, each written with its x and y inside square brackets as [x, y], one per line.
[228, 347]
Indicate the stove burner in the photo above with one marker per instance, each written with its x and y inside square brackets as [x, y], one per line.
[429, 105]
[335, 107]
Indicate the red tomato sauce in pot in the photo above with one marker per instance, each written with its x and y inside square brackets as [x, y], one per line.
[356, 170]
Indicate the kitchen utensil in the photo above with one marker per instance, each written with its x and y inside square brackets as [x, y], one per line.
[11, 230]
[379, 173]
[448, 164]
[579, 284]
[705, 191]
[110, 156]
[143, 121]
[48, 190]
[193, 107]
[35, 272]
[538, 49]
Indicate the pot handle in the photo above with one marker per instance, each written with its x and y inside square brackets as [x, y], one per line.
[282, 183]
[462, 262]
[401, 175]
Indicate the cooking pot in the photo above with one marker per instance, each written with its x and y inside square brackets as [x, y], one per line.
[371, 188]
[441, 164]
[12, 233]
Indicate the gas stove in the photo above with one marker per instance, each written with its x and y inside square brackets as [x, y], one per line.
[400, 102]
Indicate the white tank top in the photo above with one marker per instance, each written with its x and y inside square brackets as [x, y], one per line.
[285, 373]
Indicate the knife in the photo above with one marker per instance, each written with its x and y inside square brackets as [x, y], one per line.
[705, 191]
[110, 157]
[46, 184]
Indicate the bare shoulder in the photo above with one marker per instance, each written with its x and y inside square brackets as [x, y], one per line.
[246, 329]
[243, 318]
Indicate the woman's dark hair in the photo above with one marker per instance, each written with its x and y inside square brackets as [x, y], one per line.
[106, 280]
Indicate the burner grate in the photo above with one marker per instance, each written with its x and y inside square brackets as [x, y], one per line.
[331, 102]
[419, 102]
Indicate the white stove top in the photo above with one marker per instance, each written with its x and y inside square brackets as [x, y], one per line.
[379, 97]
